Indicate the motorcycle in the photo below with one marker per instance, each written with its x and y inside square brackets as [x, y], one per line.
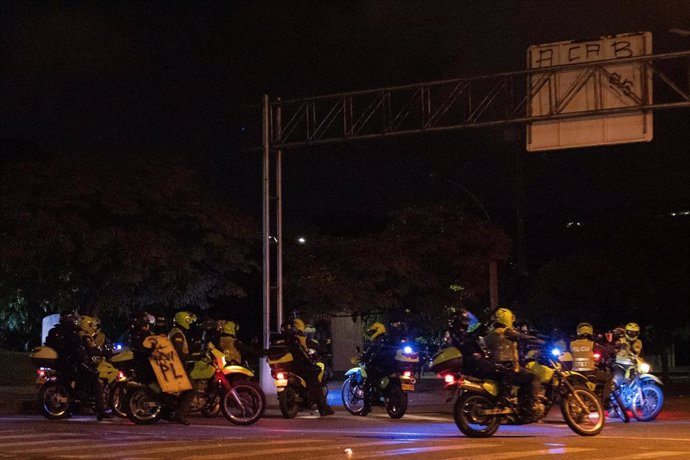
[390, 391]
[60, 393]
[483, 404]
[123, 361]
[241, 401]
[641, 391]
[293, 395]
[215, 380]
[614, 405]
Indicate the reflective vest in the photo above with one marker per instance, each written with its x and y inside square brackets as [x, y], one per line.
[583, 354]
[502, 349]
[627, 350]
[232, 354]
[179, 341]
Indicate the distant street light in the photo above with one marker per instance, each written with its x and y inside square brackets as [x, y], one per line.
[302, 240]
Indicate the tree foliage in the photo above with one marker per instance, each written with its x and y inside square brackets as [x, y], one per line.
[108, 238]
[410, 264]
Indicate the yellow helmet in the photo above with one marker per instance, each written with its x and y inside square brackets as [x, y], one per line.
[298, 324]
[632, 331]
[89, 325]
[585, 329]
[184, 319]
[230, 328]
[504, 316]
[375, 330]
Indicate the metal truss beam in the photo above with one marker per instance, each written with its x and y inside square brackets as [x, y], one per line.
[484, 101]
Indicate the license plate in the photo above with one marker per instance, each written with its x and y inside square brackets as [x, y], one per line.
[281, 383]
[407, 386]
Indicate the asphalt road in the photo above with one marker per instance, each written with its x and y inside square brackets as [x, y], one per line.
[423, 433]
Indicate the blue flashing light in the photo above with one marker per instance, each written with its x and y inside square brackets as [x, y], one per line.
[556, 352]
[117, 346]
[407, 349]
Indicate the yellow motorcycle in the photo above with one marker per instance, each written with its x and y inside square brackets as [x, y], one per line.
[60, 393]
[483, 404]
[241, 401]
[225, 388]
[390, 391]
[293, 395]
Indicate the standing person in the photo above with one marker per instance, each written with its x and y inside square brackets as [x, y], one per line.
[183, 322]
[583, 349]
[296, 342]
[502, 343]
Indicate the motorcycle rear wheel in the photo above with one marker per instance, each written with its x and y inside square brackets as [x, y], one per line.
[118, 392]
[585, 422]
[54, 401]
[353, 397]
[650, 404]
[470, 421]
[287, 401]
[142, 406]
[396, 401]
[617, 408]
[253, 404]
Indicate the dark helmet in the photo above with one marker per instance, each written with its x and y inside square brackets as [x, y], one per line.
[143, 319]
[459, 322]
[70, 318]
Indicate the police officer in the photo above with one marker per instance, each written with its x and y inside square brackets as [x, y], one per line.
[183, 322]
[628, 347]
[582, 350]
[234, 349]
[293, 332]
[502, 343]
[466, 339]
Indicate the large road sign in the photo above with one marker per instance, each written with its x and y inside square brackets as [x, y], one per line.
[561, 90]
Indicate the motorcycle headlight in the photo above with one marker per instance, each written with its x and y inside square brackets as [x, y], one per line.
[644, 368]
[407, 350]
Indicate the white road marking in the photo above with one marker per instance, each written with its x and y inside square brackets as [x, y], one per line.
[527, 453]
[287, 450]
[181, 448]
[87, 444]
[416, 450]
[656, 454]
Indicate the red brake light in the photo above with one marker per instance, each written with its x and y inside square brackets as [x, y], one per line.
[121, 375]
[449, 379]
[407, 374]
[280, 376]
[597, 356]
[41, 373]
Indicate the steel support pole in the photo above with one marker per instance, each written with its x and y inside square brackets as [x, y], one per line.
[279, 219]
[265, 375]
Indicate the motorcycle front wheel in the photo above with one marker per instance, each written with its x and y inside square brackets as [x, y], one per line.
[396, 400]
[586, 419]
[287, 401]
[142, 406]
[648, 402]
[245, 406]
[353, 396]
[468, 416]
[54, 401]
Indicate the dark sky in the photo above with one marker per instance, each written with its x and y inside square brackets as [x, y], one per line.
[152, 78]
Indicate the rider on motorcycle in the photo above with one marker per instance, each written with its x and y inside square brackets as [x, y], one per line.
[74, 358]
[582, 350]
[232, 346]
[293, 332]
[474, 362]
[628, 346]
[379, 357]
[502, 343]
[178, 336]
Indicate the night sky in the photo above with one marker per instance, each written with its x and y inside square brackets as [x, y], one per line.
[172, 78]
